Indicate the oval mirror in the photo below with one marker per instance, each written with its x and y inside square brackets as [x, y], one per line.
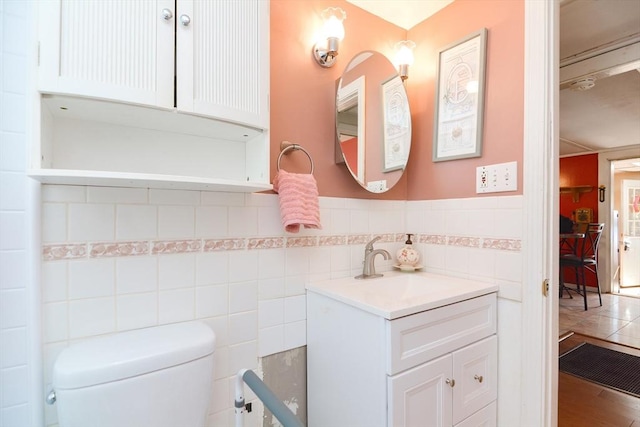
[373, 122]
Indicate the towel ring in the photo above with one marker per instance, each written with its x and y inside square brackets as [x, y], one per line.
[287, 146]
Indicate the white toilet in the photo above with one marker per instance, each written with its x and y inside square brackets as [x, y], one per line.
[160, 376]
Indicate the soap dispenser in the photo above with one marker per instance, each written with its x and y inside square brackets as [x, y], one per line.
[408, 256]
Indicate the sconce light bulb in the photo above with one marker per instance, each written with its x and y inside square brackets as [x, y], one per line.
[404, 52]
[333, 27]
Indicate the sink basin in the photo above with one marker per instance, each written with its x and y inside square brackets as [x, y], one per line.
[403, 286]
[398, 294]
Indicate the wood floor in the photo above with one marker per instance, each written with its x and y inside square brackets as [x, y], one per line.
[582, 403]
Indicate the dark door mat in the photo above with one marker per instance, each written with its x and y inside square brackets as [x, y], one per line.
[609, 368]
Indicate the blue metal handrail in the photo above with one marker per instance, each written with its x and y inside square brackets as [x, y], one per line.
[264, 393]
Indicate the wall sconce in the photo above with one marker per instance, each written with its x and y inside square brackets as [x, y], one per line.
[326, 50]
[404, 57]
[601, 191]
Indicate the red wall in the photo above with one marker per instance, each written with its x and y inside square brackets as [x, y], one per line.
[576, 171]
[303, 93]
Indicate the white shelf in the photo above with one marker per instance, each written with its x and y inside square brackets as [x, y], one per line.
[139, 180]
[94, 142]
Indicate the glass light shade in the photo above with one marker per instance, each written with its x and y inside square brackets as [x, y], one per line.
[404, 52]
[333, 18]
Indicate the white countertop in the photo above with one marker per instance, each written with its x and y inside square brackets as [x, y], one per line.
[399, 294]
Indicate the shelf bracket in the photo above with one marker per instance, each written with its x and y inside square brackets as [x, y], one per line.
[575, 191]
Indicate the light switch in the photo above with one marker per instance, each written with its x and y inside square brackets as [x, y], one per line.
[497, 178]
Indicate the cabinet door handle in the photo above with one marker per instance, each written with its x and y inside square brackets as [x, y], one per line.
[478, 378]
[166, 14]
[185, 20]
[452, 383]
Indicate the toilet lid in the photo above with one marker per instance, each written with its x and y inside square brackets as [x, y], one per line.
[132, 353]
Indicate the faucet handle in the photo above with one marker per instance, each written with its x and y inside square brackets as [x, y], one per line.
[369, 246]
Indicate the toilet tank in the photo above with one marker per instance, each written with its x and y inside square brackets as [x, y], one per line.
[159, 376]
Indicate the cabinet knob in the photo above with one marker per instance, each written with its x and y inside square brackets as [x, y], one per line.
[452, 383]
[166, 14]
[478, 378]
[185, 20]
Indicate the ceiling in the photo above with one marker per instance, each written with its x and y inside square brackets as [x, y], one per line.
[598, 39]
[403, 13]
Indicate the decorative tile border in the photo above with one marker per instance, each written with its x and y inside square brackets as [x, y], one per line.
[100, 250]
[266, 243]
[68, 251]
[432, 239]
[54, 252]
[332, 240]
[358, 239]
[469, 242]
[502, 244]
[301, 242]
[214, 245]
[175, 246]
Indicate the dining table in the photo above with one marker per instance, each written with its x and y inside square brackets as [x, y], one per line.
[568, 242]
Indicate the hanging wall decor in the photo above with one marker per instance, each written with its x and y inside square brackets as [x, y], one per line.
[459, 100]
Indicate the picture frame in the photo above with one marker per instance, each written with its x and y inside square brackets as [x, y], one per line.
[459, 99]
[584, 215]
[396, 124]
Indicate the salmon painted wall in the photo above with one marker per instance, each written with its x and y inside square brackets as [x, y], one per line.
[504, 96]
[302, 92]
[576, 171]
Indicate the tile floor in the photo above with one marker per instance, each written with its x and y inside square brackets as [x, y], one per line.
[618, 319]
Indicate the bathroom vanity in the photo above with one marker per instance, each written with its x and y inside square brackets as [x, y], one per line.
[407, 349]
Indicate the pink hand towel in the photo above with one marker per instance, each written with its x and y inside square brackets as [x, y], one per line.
[298, 197]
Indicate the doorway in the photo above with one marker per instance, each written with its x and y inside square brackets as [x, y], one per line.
[626, 204]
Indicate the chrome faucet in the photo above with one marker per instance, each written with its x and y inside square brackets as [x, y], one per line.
[369, 266]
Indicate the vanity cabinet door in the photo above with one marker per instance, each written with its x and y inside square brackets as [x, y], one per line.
[475, 369]
[422, 396]
[115, 50]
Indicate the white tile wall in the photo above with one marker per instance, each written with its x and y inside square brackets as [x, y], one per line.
[253, 299]
[15, 327]
[252, 296]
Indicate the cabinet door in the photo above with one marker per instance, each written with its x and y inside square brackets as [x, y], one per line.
[421, 396]
[475, 369]
[116, 50]
[222, 60]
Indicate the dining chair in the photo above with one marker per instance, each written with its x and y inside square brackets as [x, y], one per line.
[585, 258]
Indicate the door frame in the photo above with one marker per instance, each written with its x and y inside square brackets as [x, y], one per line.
[539, 367]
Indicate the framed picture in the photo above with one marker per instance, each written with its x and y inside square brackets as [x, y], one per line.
[396, 120]
[584, 215]
[459, 102]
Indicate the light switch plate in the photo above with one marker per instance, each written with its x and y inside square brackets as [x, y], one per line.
[377, 186]
[497, 178]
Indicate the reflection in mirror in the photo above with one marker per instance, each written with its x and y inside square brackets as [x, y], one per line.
[373, 121]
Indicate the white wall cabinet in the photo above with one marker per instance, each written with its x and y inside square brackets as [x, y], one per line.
[434, 368]
[162, 93]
